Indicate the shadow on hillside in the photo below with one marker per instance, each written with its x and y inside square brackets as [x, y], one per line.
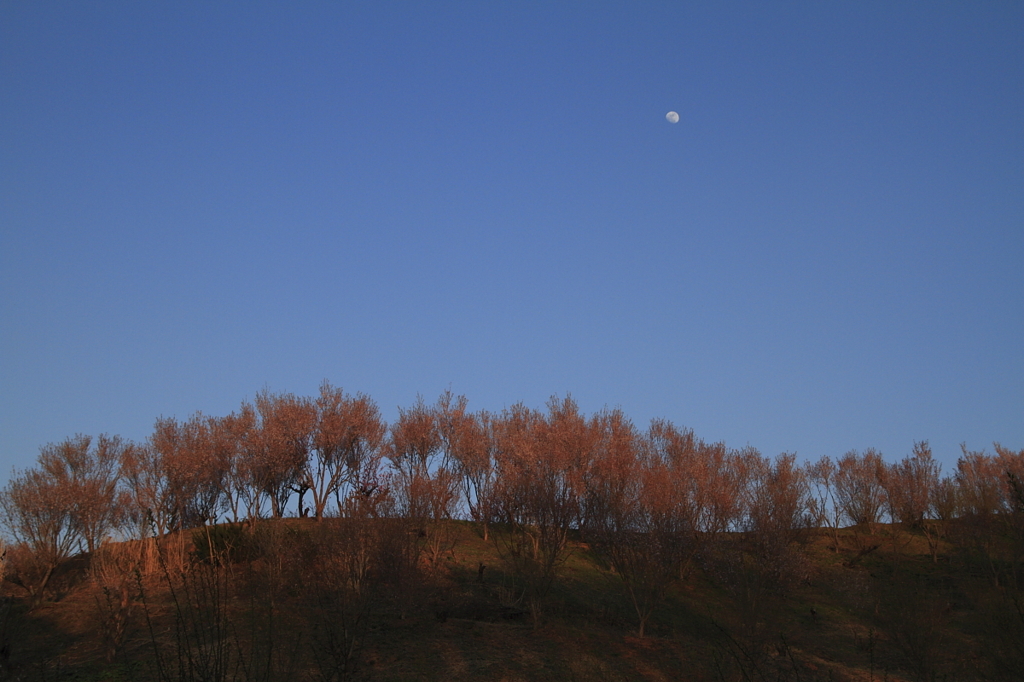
[290, 587]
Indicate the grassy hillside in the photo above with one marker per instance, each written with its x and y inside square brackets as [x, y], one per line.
[297, 599]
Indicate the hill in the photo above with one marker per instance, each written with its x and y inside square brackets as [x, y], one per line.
[387, 600]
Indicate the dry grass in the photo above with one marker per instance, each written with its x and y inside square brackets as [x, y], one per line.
[891, 614]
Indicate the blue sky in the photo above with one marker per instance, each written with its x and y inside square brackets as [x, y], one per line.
[202, 200]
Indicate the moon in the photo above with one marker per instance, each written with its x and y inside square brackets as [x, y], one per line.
[672, 117]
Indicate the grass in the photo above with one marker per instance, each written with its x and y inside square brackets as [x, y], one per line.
[879, 616]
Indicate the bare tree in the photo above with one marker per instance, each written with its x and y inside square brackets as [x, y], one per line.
[912, 481]
[909, 489]
[414, 450]
[167, 446]
[1011, 467]
[543, 464]
[287, 427]
[468, 444]
[148, 490]
[983, 490]
[710, 480]
[227, 443]
[859, 488]
[637, 517]
[249, 468]
[944, 506]
[37, 511]
[90, 470]
[38, 507]
[325, 470]
[978, 483]
[1011, 516]
[978, 476]
[426, 483]
[455, 429]
[517, 447]
[71, 500]
[347, 437]
[195, 468]
[825, 506]
[776, 505]
[473, 448]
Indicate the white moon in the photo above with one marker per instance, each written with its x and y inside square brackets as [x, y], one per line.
[672, 117]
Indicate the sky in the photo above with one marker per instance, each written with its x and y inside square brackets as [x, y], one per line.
[200, 201]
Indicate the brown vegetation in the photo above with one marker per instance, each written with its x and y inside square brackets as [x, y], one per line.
[578, 530]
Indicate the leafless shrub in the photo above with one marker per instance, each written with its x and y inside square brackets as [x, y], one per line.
[225, 627]
[116, 569]
[201, 648]
[29, 570]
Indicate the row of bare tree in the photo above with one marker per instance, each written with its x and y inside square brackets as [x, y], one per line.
[649, 501]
